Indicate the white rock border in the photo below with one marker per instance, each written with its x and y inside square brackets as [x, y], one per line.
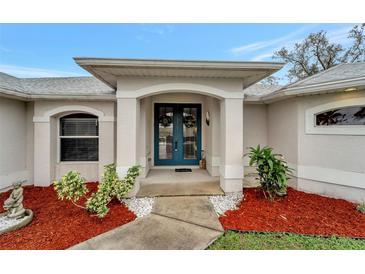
[222, 203]
[140, 206]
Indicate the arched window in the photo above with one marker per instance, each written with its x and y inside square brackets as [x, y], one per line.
[79, 138]
[339, 117]
[352, 115]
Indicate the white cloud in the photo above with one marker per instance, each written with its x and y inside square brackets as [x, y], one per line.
[4, 49]
[249, 47]
[269, 43]
[339, 36]
[270, 53]
[263, 56]
[335, 36]
[29, 72]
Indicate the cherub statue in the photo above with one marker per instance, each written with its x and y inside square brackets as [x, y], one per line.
[14, 204]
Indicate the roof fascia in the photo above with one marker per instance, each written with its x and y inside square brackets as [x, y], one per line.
[146, 63]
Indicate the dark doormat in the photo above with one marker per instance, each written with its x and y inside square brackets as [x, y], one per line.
[183, 170]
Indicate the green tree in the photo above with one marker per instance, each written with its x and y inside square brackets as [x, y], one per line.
[316, 53]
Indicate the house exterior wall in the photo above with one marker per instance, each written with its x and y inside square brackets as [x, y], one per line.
[133, 84]
[30, 141]
[327, 164]
[343, 152]
[255, 131]
[47, 165]
[330, 164]
[13, 140]
[212, 140]
[282, 129]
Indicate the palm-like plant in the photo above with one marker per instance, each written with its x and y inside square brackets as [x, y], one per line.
[272, 169]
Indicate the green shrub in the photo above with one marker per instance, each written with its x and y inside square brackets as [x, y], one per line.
[111, 187]
[273, 171]
[72, 187]
[361, 208]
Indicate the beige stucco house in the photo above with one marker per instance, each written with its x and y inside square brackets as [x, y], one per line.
[164, 114]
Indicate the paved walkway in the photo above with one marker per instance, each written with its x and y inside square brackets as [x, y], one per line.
[185, 222]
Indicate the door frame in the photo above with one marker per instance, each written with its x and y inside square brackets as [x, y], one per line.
[176, 162]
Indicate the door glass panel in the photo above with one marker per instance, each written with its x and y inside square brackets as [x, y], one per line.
[190, 131]
[165, 132]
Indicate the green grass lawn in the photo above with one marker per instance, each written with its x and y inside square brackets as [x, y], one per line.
[249, 241]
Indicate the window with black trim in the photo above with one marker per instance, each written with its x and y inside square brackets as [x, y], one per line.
[353, 115]
[79, 138]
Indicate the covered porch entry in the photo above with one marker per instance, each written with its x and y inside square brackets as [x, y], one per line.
[205, 118]
[176, 135]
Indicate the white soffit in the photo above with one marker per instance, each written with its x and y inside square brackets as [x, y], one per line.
[109, 69]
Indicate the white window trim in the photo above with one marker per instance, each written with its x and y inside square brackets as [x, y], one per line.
[59, 137]
[310, 119]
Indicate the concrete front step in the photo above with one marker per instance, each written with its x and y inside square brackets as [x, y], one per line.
[180, 189]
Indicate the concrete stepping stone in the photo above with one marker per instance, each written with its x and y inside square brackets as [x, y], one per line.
[192, 209]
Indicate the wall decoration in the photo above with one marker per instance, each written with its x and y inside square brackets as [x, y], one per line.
[165, 120]
[189, 121]
[207, 118]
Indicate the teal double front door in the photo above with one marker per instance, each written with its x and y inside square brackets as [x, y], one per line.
[177, 133]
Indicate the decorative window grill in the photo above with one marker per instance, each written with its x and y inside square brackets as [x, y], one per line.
[352, 115]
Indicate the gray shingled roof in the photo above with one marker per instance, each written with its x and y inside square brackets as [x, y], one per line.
[337, 73]
[55, 85]
[11, 83]
[66, 85]
[258, 90]
[93, 86]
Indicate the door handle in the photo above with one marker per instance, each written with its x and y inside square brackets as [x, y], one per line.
[175, 145]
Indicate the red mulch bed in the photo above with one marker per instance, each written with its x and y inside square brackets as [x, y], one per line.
[299, 212]
[59, 224]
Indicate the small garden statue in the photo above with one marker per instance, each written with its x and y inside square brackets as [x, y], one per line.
[14, 204]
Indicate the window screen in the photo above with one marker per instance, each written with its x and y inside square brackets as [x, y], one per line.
[79, 138]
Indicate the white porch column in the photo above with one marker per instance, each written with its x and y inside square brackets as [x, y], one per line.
[231, 167]
[42, 153]
[127, 134]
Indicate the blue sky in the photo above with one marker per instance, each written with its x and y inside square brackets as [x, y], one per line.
[42, 50]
